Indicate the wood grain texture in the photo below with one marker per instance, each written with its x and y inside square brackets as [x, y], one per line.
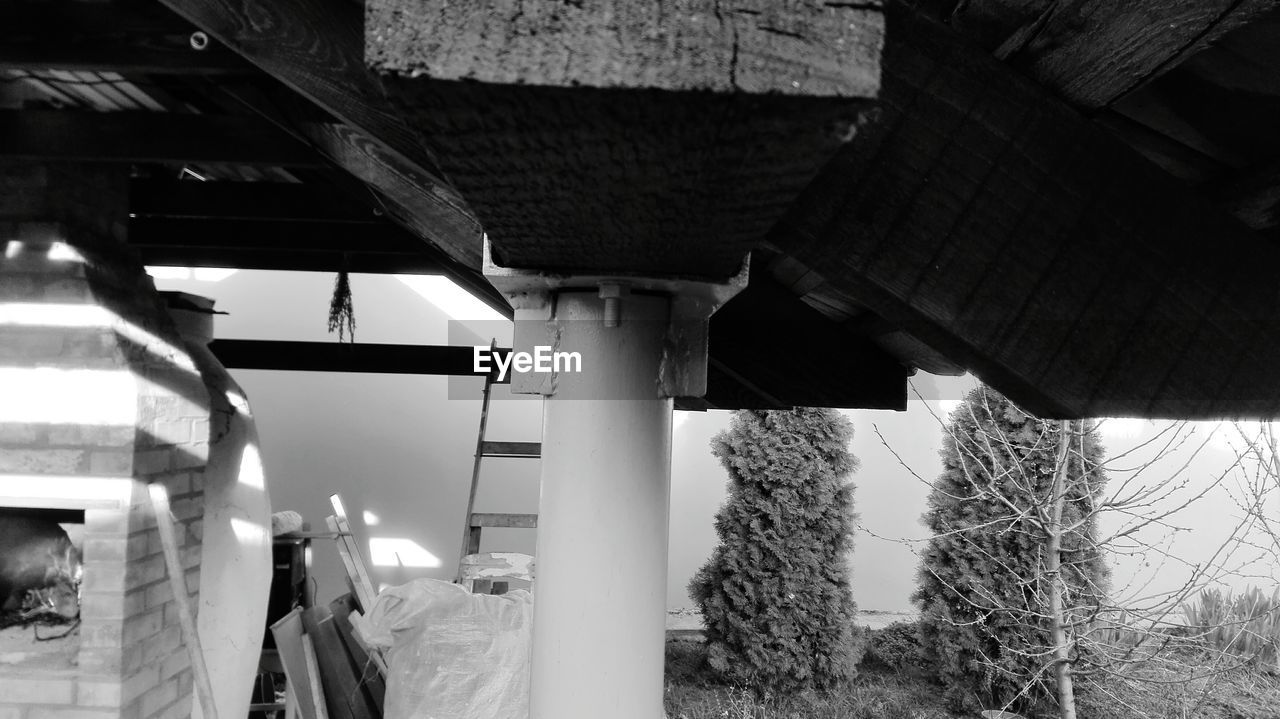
[643, 181]
[317, 49]
[791, 47]
[1092, 52]
[1003, 229]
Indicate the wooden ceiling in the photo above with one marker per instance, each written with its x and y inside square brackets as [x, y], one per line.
[1075, 199]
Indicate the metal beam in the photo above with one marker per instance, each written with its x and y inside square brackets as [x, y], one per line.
[340, 357]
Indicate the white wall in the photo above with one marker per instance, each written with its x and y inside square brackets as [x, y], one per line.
[399, 447]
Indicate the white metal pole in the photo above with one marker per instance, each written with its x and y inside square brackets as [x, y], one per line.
[600, 591]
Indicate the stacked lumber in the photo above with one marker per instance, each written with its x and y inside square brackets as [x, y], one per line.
[331, 673]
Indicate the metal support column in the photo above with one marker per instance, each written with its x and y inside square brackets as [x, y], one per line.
[601, 580]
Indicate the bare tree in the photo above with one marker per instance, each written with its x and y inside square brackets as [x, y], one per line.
[1069, 629]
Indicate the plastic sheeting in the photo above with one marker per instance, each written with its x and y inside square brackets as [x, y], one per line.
[452, 654]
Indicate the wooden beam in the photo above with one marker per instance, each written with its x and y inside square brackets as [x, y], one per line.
[105, 37]
[384, 263]
[317, 49]
[305, 202]
[1092, 52]
[300, 235]
[148, 137]
[785, 352]
[801, 49]
[662, 158]
[1000, 227]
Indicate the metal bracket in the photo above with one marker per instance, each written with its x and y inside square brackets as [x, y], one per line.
[693, 300]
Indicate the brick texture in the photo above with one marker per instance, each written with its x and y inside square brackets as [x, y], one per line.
[71, 262]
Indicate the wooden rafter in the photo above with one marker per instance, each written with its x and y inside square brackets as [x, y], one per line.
[1000, 227]
[148, 137]
[1092, 52]
[105, 37]
[317, 49]
[278, 201]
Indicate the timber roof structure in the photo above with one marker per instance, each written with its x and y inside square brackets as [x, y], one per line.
[1076, 200]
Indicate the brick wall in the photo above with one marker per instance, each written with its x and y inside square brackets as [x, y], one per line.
[101, 400]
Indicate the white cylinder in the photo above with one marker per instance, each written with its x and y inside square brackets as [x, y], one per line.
[600, 592]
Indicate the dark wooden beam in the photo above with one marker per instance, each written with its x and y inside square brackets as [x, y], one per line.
[375, 246]
[381, 263]
[671, 157]
[788, 354]
[1000, 227]
[368, 237]
[105, 37]
[148, 137]
[317, 49]
[304, 202]
[1093, 52]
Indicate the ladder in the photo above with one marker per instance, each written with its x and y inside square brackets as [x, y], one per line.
[477, 521]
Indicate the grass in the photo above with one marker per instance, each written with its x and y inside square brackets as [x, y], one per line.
[692, 692]
[1243, 692]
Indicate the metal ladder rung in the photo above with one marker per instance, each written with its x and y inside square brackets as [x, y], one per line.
[501, 519]
[527, 450]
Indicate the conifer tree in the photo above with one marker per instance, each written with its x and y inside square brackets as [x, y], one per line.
[775, 593]
[986, 582]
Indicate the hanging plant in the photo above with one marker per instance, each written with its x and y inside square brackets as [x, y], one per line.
[342, 317]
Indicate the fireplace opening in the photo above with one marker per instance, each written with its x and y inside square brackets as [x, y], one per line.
[40, 578]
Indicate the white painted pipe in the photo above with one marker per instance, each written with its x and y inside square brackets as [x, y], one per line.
[600, 587]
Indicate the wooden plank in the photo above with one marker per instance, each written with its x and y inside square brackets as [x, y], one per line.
[343, 696]
[1095, 51]
[368, 663]
[315, 690]
[105, 37]
[182, 599]
[527, 450]
[1001, 228]
[366, 584]
[288, 635]
[347, 357]
[354, 582]
[500, 519]
[317, 49]
[147, 137]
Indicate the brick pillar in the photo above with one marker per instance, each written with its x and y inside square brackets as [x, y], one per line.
[100, 399]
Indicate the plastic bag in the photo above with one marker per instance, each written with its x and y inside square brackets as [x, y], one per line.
[453, 654]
